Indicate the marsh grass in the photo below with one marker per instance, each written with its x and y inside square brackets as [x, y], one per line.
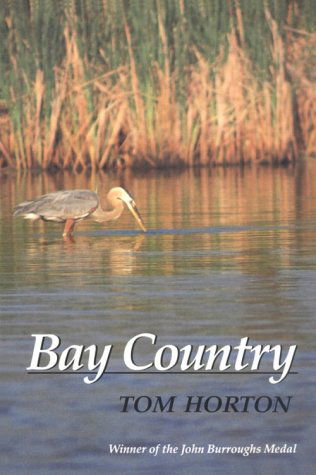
[156, 84]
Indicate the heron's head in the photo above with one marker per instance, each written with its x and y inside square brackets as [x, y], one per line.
[119, 193]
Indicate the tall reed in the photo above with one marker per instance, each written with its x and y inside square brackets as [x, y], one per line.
[155, 83]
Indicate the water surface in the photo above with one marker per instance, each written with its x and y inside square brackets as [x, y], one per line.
[229, 254]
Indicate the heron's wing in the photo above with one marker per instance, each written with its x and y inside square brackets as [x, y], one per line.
[60, 205]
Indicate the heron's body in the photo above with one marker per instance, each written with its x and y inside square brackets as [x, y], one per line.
[71, 206]
[59, 206]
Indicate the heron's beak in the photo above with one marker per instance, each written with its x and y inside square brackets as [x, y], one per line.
[133, 209]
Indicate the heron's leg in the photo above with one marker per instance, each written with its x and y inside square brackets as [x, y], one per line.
[69, 227]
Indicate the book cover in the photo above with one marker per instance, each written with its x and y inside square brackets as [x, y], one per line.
[183, 340]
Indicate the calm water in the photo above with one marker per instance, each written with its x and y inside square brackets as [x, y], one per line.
[229, 254]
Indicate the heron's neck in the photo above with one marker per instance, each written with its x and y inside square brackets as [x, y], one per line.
[101, 215]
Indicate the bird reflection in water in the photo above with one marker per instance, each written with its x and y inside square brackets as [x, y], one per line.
[117, 256]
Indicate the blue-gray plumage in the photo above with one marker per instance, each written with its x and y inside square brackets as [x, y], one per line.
[71, 206]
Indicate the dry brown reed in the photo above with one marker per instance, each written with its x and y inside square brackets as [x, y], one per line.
[229, 116]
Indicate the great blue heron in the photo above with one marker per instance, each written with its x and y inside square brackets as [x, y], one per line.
[71, 206]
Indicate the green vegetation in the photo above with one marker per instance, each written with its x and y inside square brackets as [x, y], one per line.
[112, 83]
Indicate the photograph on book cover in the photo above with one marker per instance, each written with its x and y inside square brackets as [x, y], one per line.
[157, 236]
